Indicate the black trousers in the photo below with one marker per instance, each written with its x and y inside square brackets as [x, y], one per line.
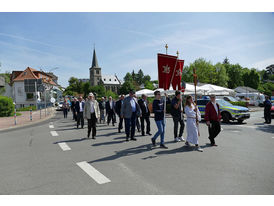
[92, 125]
[111, 117]
[176, 121]
[143, 119]
[120, 126]
[80, 118]
[65, 111]
[74, 114]
[267, 116]
[213, 129]
[138, 124]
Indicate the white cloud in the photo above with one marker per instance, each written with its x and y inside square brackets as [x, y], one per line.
[263, 63]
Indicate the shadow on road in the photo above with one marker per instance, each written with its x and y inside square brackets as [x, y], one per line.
[266, 128]
[72, 140]
[107, 143]
[126, 152]
[174, 151]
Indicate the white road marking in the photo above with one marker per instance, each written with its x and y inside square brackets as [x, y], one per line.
[51, 125]
[272, 137]
[54, 133]
[247, 126]
[93, 173]
[64, 146]
[222, 129]
[235, 131]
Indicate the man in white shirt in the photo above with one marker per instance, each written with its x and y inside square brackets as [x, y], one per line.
[79, 108]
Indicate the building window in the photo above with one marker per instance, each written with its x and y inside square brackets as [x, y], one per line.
[104, 79]
[29, 96]
[110, 80]
[98, 78]
[115, 80]
[97, 72]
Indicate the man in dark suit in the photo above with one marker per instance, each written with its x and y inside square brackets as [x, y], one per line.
[130, 110]
[118, 106]
[110, 109]
[145, 114]
[79, 108]
[73, 103]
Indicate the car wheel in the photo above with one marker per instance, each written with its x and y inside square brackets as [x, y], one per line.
[240, 121]
[226, 117]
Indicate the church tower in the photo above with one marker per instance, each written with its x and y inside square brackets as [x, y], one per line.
[95, 71]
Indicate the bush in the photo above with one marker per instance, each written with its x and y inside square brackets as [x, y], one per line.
[241, 103]
[6, 106]
[26, 109]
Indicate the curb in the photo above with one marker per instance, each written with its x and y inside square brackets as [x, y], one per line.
[30, 123]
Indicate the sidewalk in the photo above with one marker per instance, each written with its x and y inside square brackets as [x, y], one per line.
[24, 119]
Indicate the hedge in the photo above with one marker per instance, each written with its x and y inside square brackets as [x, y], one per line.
[26, 109]
[6, 106]
[242, 104]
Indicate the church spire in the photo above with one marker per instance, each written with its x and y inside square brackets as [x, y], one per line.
[94, 60]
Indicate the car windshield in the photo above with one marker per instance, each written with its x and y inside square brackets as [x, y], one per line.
[61, 102]
[233, 99]
[273, 104]
[223, 103]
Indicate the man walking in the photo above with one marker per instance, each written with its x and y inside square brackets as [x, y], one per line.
[110, 109]
[102, 107]
[267, 110]
[178, 116]
[130, 110]
[73, 103]
[213, 118]
[79, 108]
[91, 113]
[145, 115]
[118, 106]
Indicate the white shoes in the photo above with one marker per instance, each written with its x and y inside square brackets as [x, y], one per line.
[177, 139]
[182, 139]
[199, 149]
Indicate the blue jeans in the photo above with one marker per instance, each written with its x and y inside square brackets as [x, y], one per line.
[130, 124]
[161, 130]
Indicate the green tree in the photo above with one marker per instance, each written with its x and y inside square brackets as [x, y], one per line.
[86, 89]
[251, 78]
[206, 72]
[139, 77]
[221, 75]
[234, 72]
[99, 90]
[128, 77]
[146, 78]
[149, 85]
[126, 87]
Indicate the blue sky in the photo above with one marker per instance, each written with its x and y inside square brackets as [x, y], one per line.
[127, 41]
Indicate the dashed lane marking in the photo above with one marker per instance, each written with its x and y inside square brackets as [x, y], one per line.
[51, 126]
[93, 173]
[64, 146]
[247, 126]
[54, 133]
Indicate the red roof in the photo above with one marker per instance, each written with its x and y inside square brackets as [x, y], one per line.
[30, 73]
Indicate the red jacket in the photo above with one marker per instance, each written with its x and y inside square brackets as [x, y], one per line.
[211, 114]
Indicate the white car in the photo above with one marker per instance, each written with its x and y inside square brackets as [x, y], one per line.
[59, 106]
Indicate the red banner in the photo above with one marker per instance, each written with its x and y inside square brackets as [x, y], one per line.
[176, 82]
[166, 66]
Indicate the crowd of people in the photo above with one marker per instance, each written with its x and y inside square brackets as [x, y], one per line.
[133, 113]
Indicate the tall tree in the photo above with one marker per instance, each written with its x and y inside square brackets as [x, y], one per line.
[128, 77]
[234, 72]
[221, 75]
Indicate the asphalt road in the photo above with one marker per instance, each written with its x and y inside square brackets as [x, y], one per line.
[33, 162]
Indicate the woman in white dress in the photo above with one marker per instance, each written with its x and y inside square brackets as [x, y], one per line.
[191, 123]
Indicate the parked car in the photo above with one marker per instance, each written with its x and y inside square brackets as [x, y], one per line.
[59, 106]
[228, 111]
[228, 98]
